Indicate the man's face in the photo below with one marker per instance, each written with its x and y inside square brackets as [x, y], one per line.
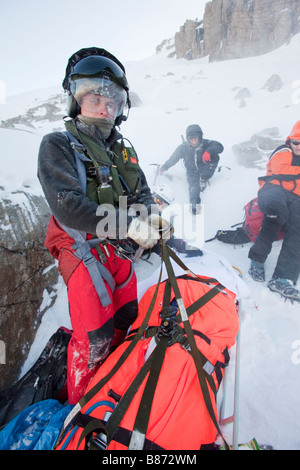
[295, 144]
[97, 106]
[194, 141]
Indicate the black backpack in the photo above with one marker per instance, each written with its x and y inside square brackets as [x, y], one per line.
[45, 379]
[234, 237]
[249, 229]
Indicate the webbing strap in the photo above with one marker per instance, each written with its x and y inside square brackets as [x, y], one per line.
[94, 425]
[80, 158]
[142, 418]
[92, 392]
[116, 417]
[192, 342]
[280, 177]
[154, 363]
[203, 300]
[97, 271]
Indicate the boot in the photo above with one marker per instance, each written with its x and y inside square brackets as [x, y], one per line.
[257, 271]
[203, 184]
[285, 288]
[195, 209]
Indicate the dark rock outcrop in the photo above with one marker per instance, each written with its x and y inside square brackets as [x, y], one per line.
[27, 273]
[238, 28]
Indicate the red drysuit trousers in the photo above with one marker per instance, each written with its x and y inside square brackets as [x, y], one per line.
[96, 329]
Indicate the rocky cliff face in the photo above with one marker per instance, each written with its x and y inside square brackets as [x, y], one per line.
[238, 28]
[27, 277]
[28, 273]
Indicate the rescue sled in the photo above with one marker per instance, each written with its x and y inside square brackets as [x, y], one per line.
[157, 391]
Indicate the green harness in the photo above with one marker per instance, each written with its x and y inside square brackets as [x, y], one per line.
[110, 172]
[104, 175]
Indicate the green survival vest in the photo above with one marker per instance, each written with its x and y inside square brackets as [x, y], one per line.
[110, 173]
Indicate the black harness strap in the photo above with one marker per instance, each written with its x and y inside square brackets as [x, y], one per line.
[91, 393]
[192, 342]
[122, 435]
[142, 418]
[123, 405]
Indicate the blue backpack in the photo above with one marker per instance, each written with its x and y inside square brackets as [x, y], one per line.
[35, 428]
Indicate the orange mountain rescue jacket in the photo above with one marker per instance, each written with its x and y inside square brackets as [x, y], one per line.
[283, 169]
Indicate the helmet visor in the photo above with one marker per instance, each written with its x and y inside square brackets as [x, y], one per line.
[97, 93]
[95, 65]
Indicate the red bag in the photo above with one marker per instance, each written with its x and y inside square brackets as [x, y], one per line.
[253, 220]
[249, 228]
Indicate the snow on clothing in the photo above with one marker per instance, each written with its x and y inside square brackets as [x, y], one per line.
[58, 175]
[194, 164]
[279, 200]
[96, 328]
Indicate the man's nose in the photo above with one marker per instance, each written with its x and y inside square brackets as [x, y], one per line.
[103, 110]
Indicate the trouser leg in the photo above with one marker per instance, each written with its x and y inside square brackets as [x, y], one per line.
[208, 169]
[288, 263]
[93, 331]
[193, 180]
[272, 201]
[96, 328]
[194, 192]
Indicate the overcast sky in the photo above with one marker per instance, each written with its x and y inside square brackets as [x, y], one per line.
[38, 36]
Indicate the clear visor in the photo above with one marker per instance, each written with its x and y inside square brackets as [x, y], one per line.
[99, 95]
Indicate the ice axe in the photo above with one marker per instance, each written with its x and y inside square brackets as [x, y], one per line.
[138, 254]
[157, 172]
[234, 418]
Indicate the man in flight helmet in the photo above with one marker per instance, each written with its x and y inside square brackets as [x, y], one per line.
[200, 157]
[86, 174]
[96, 72]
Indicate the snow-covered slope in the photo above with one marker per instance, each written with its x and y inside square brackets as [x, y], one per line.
[174, 94]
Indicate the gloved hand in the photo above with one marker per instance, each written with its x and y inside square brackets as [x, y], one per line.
[143, 233]
[163, 226]
[206, 157]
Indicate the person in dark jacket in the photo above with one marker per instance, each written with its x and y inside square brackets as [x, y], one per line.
[91, 181]
[200, 157]
[279, 200]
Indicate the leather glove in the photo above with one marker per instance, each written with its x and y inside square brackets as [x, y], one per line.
[206, 157]
[143, 233]
[163, 226]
